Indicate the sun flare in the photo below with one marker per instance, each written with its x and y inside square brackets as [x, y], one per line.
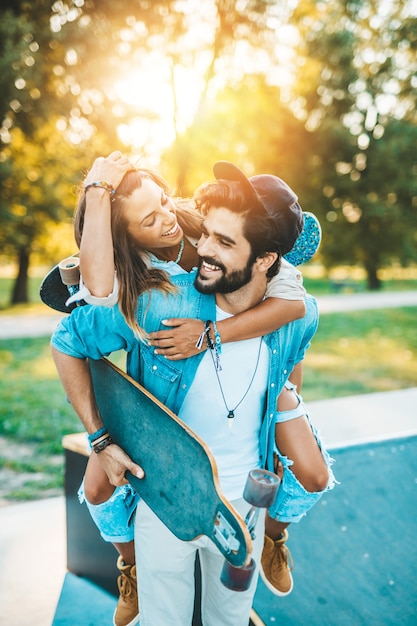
[164, 104]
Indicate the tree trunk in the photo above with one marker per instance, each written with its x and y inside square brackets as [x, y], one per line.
[20, 288]
[373, 281]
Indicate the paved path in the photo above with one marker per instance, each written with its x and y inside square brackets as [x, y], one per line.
[367, 300]
[30, 325]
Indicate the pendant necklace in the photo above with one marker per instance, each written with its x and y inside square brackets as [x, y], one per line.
[231, 412]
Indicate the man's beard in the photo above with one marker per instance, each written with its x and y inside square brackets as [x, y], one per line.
[227, 283]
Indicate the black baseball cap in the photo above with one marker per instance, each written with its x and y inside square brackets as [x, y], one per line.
[274, 195]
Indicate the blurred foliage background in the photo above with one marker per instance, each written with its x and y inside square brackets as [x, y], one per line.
[321, 93]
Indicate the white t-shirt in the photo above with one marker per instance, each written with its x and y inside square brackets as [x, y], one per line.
[234, 443]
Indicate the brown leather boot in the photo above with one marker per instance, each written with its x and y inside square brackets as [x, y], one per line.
[276, 566]
[127, 609]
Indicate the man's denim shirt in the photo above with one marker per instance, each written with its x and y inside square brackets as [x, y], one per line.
[93, 332]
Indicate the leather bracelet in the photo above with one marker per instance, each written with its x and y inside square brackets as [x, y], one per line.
[209, 340]
[102, 445]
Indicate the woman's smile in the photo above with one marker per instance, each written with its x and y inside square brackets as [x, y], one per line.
[173, 231]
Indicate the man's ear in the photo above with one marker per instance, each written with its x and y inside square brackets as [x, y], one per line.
[263, 263]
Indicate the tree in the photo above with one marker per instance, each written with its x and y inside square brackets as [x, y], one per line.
[247, 123]
[354, 90]
[41, 131]
[346, 100]
[63, 60]
[169, 41]
[34, 196]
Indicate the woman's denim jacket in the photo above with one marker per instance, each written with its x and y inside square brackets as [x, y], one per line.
[94, 332]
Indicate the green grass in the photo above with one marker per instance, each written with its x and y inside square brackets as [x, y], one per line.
[33, 404]
[351, 284]
[6, 286]
[362, 352]
[352, 353]
[34, 416]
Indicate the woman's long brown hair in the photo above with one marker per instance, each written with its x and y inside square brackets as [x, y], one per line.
[135, 273]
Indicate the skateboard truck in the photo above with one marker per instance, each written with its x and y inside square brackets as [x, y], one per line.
[260, 491]
[225, 534]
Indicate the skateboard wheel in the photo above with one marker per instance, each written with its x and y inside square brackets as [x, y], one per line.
[261, 488]
[69, 270]
[237, 578]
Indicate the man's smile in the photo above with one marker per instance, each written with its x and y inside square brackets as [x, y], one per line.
[210, 267]
[207, 268]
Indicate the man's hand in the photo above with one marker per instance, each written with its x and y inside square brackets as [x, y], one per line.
[111, 169]
[180, 341]
[116, 463]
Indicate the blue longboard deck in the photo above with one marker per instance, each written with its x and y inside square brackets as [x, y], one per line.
[181, 484]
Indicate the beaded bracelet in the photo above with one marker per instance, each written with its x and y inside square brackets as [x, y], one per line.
[217, 339]
[97, 434]
[102, 445]
[213, 345]
[103, 184]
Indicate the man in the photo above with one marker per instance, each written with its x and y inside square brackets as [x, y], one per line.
[248, 225]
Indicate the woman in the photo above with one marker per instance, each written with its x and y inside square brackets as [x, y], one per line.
[132, 235]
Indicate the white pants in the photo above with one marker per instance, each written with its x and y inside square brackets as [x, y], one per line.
[165, 571]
